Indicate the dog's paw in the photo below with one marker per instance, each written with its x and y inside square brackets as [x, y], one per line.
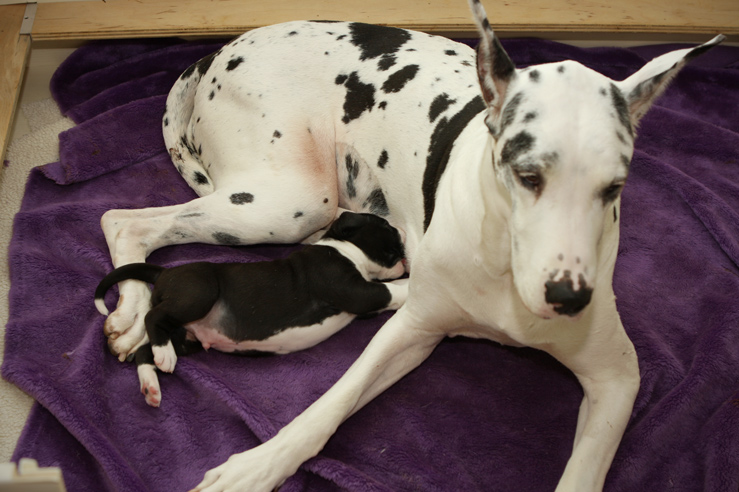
[125, 326]
[256, 470]
[149, 384]
[125, 346]
[164, 357]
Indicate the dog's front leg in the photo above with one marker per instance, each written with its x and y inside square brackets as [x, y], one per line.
[610, 383]
[400, 346]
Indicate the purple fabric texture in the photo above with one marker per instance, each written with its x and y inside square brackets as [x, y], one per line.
[475, 416]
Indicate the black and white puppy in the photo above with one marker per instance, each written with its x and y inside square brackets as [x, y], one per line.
[278, 306]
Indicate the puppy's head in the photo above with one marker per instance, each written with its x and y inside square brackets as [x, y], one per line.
[381, 243]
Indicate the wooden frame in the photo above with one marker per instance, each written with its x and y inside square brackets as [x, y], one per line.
[676, 20]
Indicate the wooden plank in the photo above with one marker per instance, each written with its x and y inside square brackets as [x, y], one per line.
[137, 18]
[14, 51]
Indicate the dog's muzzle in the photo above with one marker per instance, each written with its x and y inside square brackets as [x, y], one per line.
[563, 296]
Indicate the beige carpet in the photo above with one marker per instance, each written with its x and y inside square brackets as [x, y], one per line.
[36, 148]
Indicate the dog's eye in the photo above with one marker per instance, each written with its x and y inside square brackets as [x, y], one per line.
[610, 193]
[531, 181]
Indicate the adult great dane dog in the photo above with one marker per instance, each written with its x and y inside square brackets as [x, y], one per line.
[505, 181]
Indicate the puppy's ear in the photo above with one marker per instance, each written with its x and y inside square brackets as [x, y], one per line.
[495, 70]
[346, 225]
[641, 89]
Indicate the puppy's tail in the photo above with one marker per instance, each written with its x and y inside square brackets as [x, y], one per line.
[145, 272]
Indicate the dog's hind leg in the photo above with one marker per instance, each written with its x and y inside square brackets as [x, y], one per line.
[249, 211]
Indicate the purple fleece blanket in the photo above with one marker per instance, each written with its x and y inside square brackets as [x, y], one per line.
[476, 415]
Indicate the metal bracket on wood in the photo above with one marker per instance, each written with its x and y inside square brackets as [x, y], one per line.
[28, 18]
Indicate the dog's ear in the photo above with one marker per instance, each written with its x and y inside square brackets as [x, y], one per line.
[641, 89]
[495, 69]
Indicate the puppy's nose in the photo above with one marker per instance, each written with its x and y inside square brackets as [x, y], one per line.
[563, 296]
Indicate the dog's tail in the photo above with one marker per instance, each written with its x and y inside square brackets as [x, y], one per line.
[177, 127]
[145, 272]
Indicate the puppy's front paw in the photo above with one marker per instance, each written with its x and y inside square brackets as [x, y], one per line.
[164, 357]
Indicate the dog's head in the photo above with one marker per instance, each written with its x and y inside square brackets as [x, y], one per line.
[380, 243]
[564, 137]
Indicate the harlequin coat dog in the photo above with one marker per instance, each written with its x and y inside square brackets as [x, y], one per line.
[506, 181]
[278, 306]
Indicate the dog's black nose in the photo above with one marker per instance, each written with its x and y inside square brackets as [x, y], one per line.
[563, 296]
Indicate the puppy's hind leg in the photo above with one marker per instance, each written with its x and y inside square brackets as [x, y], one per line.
[148, 380]
[147, 370]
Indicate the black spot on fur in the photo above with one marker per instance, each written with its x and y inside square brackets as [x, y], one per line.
[603, 92]
[440, 104]
[241, 198]
[340, 79]
[697, 52]
[397, 80]
[200, 178]
[386, 62]
[325, 21]
[190, 146]
[374, 41]
[339, 38]
[519, 144]
[166, 121]
[188, 72]
[503, 67]
[561, 69]
[615, 214]
[234, 62]
[609, 194]
[382, 161]
[529, 117]
[277, 134]
[191, 215]
[535, 75]
[211, 95]
[450, 52]
[440, 147]
[204, 64]
[625, 161]
[226, 239]
[382, 105]
[622, 110]
[292, 33]
[360, 97]
[377, 203]
[297, 215]
[352, 171]
[509, 112]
